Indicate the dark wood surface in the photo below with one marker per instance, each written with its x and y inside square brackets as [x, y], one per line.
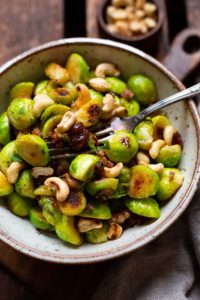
[24, 24]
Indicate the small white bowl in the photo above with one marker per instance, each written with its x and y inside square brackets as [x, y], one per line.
[19, 233]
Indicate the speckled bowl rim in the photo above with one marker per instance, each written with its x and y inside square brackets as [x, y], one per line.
[175, 213]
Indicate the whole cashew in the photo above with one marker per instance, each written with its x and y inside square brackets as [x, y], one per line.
[106, 69]
[114, 171]
[108, 103]
[59, 186]
[168, 134]
[83, 96]
[13, 170]
[68, 120]
[40, 103]
[155, 148]
[99, 84]
[42, 171]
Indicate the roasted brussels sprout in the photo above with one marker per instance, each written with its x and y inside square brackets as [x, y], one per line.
[19, 205]
[144, 134]
[144, 207]
[50, 125]
[64, 95]
[4, 129]
[116, 85]
[50, 212]
[74, 205]
[123, 146]
[25, 185]
[37, 219]
[125, 175]
[41, 87]
[43, 190]
[5, 187]
[78, 68]
[7, 155]
[144, 89]
[98, 236]
[96, 210]
[94, 95]
[54, 109]
[132, 107]
[144, 182]
[82, 167]
[159, 123]
[93, 187]
[89, 114]
[57, 73]
[22, 90]
[169, 155]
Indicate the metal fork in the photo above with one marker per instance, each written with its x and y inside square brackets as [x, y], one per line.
[129, 123]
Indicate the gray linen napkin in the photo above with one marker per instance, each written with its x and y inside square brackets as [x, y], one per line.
[168, 268]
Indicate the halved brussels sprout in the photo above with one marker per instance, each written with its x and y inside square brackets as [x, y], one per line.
[132, 107]
[54, 109]
[95, 95]
[97, 210]
[74, 205]
[25, 185]
[171, 180]
[93, 187]
[50, 125]
[144, 134]
[43, 190]
[7, 155]
[4, 129]
[144, 89]
[64, 95]
[20, 113]
[98, 236]
[50, 212]
[144, 207]
[66, 231]
[125, 175]
[78, 68]
[169, 155]
[57, 73]
[123, 146]
[116, 85]
[41, 87]
[5, 187]
[159, 123]
[82, 167]
[22, 90]
[89, 114]
[33, 150]
[144, 182]
[37, 219]
[19, 205]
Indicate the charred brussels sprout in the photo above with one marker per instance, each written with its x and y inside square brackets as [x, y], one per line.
[4, 129]
[116, 85]
[20, 113]
[96, 186]
[123, 146]
[33, 150]
[66, 231]
[22, 90]
[97, 210]
[98, 236]
[24, 185]
[50, 125]
[144, 182]
[54, 109]
[89, 113]
[37, 219]
[57, 73]
[74, 205]
[144, 207]
[5, 187]
[64, 95]
[19, 205]
[78, 68]
[144, 89]
[50, 212]
[144, 134]
[171, 180]
[82, 167]
[169, 155]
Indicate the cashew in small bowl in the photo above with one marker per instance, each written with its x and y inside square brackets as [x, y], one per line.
[42, 171]
[59, 186]
[13, 170]
[106, 69]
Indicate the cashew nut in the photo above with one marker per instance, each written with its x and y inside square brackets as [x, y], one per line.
[140, 3]
[72, 183]
[42, 171]
[99, 84]
[120, 217]
[59, 186]
[83, 96]
[115, 231]
[142, 158]
[106, 69]
[155, 148]
[108, 103]
[120, 3]
[168, 134]
[112, 28]
[120, 111]
[13, 170]
[85, 225]
[149, 9]
[150, 22]
[68, 120]
[40, 103]
[156, 167]
[114, 171]
[123, 28]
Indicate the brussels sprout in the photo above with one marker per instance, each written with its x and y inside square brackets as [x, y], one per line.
[37, 219]
[94, 95]
[96, 186]
[78, 68]
[19, 205]
[25, 185]
[50, 125]
[43, 190]
[122, 146]
[57, 73]
[169, 155]
[97, 236]
[116, 85]
[125, 175]
[64, 95]
[132, 107]
[74, 205]
[4, 129]
[171, 180]
[144, 207]
[144, 182]
[20, 113]
[41, 87]
[82, 167]
[144, 134]
[22, 90]
[50, 212]
[96, 210]
[144, 89]
[54, 109]
[7, 155]
[89, 113]
[33, 150]
[66, 231]
[159, 123]
[5, 187]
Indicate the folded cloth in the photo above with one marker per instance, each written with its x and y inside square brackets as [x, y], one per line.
[167, 268]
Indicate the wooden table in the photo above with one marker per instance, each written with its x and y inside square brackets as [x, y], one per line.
[24, 24]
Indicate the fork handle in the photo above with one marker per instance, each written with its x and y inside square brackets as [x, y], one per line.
[189, 92]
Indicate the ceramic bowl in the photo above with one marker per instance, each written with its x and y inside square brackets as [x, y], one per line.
[19, 233]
